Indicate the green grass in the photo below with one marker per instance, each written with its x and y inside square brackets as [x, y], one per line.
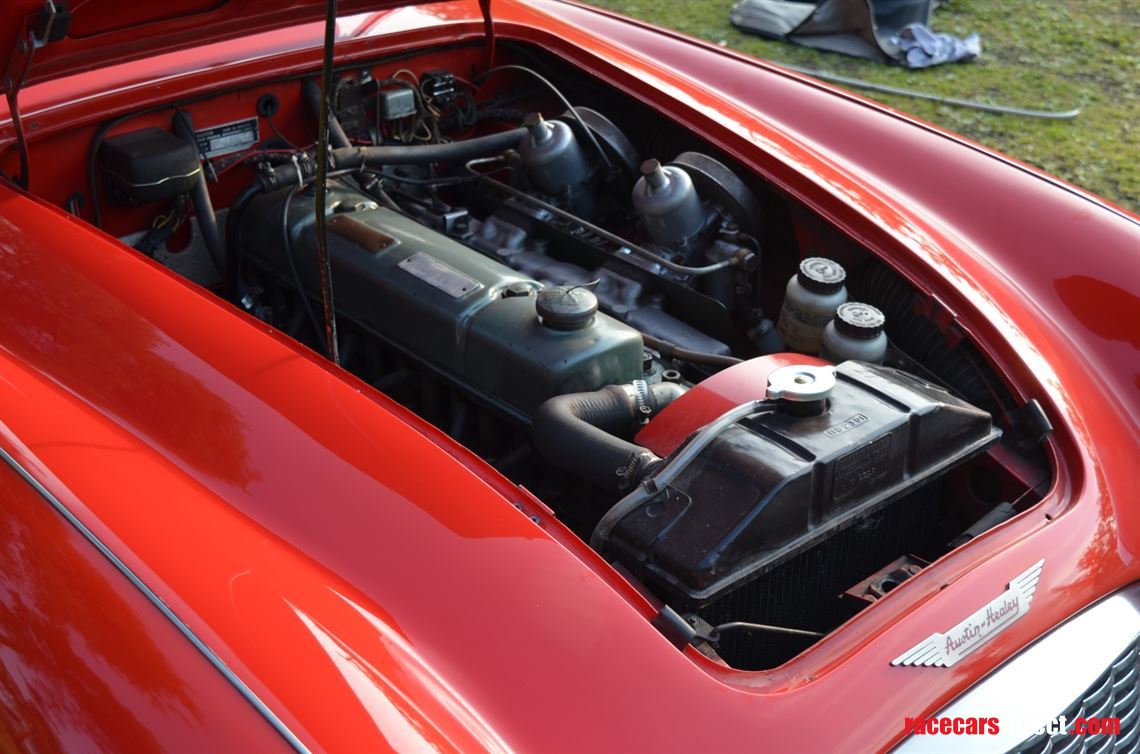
[1040, 54]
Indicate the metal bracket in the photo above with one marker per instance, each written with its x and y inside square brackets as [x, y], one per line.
[50, 25]
[489, 34]
[1032, 425]
[674, 628]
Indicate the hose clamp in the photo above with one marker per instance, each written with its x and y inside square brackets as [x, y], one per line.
[642, 398]
[300, 173]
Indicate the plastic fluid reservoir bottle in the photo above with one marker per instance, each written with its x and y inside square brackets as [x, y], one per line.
[812, 296]
[856, 334]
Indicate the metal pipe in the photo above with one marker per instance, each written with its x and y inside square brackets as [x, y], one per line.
[21, 139]
[203, 207]
[664, 474]
[714, 635]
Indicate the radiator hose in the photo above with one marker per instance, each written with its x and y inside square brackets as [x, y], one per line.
[583, 432]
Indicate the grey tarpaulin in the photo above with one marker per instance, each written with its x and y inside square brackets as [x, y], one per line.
[855, 27]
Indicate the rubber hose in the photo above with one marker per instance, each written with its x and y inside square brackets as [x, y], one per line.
[672, 351]
[582, 432]
[425, 154]
[369, 183]
[311, 93]
[203, 207]
[233, 257]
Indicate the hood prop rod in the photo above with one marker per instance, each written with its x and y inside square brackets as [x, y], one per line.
[50, 25]
[322, 186]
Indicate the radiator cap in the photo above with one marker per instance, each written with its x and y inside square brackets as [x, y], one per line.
[801, 383]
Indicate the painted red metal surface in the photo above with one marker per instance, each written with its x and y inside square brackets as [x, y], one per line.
[87, 663]
[379, 587]
[108, 32]
[713, 397]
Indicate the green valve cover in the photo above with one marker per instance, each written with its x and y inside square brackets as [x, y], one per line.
[452, 308]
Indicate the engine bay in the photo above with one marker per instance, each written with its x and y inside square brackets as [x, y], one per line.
[753, 418]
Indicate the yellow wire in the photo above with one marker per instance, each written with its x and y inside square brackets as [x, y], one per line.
[415, 80]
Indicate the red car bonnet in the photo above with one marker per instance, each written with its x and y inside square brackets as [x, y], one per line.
[43, 40]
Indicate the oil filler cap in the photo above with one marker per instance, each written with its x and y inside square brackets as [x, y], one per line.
[801, 383]
[565, 307]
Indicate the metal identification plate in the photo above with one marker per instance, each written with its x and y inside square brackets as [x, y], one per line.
[438, 275]
[228, 137]
[945, 649]
[363, 235]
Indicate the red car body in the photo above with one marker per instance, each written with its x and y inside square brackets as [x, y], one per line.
[376, 585]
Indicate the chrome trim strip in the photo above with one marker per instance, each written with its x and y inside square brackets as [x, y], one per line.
[147, 592]
[1042, 680]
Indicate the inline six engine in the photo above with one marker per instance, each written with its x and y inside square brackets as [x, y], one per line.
[594, 321]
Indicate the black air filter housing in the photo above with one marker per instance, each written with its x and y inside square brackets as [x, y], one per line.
[148, 165]
[775, 484]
